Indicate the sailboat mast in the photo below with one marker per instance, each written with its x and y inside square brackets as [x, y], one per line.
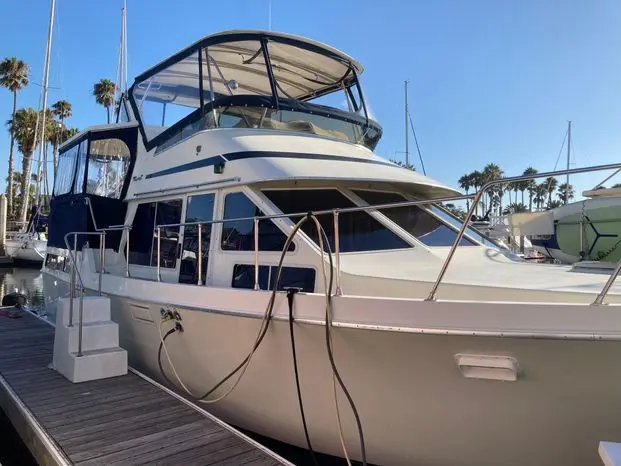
[568, 155]
[407, 152]
[46, 73]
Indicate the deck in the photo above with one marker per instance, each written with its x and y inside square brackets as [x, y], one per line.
[121, 420]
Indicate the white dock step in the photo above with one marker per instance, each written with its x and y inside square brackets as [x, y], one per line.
[610, 453]
[96, 309]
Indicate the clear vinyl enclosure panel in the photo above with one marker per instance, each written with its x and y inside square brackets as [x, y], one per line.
[260, 84]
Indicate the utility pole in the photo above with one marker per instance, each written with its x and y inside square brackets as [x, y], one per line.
[568, 155]
[407, 153]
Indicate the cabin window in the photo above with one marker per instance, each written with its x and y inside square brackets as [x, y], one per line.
[416, 221]
[168, 96]
[108, 163]
[65, 171]
[238, 235]
[358, 231]
[79, 178]
[199, 209]
[290, 277]
[143, 236]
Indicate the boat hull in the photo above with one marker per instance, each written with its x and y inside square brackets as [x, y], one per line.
[26, 250]
[415, 405]
[586, 230]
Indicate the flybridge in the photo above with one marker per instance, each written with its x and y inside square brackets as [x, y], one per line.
[253, 79]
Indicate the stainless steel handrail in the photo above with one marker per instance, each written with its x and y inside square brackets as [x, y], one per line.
[487, 186]
[75, 271]
[460, 234]
[324, 212]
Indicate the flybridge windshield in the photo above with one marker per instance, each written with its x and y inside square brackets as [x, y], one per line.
[203, 87]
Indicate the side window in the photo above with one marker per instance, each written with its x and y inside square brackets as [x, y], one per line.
[415, 220]
[358, 230]
[290, 277]
[167, 212]
[199, 209]
[108, 162]
[238, 235]
[143, 240]
[65, 171]
[141, 234]
[79, 179]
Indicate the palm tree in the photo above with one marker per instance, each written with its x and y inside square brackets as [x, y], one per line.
[565, 192]
[465, 183]
[23, 127]
[540, 192]
[515, 208]
[104, 94]
[14, 76]
[493, 172]
[477, 182]
[551, 183]
[529, 185]
[62, 109]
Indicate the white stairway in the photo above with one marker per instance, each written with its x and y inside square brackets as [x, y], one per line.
[101, 355]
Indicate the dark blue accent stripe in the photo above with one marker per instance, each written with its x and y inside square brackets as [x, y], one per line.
[262, 154]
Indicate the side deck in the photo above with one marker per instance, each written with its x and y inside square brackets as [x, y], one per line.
[121, 420]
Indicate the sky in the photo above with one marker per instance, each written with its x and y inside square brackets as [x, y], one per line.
[489, 80]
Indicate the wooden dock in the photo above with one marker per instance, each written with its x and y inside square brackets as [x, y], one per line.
[121, 420]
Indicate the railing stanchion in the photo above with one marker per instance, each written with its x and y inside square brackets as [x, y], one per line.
[200, 254]
[102, 254]
[256, 254]
[74, 265]
[80, 319]
[158, 254]
[127, 255]
[337, 254]
[613, 276]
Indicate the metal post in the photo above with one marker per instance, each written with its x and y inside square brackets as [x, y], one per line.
[200, 254]
[158, 254]
[127, 255]
[337, 255]
[256, 254]
[101, 258]
[604, 292]
[80, 320]
[73, 272]
[3, 212]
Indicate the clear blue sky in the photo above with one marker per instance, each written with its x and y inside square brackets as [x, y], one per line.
[490, 80]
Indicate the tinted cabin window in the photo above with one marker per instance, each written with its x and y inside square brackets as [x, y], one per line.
[143, 240]
[290, 277]
[238, 235]
[199, 209]
[415, 220]
[108, 162]
[141, 235]
[167, 212]
[358, 231]
[65, 171]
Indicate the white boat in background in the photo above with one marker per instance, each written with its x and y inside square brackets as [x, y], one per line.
[491, 361]
[29, 247]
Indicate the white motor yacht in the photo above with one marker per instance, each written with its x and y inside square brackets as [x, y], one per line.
[182, 210]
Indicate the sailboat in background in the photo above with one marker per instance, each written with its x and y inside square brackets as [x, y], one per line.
[30, 245]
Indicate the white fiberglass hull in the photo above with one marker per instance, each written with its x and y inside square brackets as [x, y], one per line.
[26, 249]
[415, 405]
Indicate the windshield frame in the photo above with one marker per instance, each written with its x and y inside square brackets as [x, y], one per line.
[346, 83]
